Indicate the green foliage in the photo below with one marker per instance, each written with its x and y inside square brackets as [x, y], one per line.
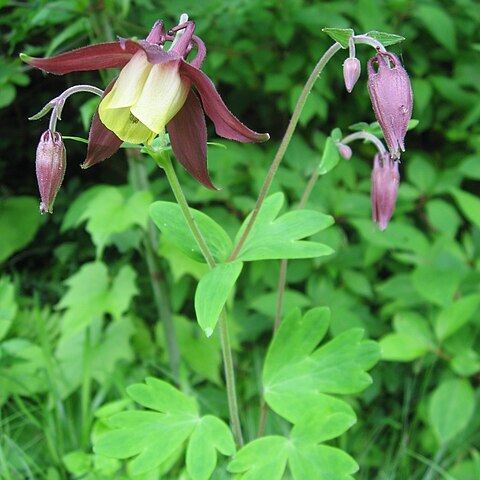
[152, 436]
[16, 235]
[276, 238]
[79, 321]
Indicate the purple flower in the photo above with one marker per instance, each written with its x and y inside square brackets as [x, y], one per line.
[50, 167]
[153, 91]
[351, 72]
[385, 179]
[392, 98]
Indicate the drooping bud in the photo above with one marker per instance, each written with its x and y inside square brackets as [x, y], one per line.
[351, 72]
[392, 99]
[50, 166]
[385, 180]
[345, 151]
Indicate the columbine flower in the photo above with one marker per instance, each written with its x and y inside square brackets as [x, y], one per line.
[385, 179]
[392, 98]
[50, 167]
[153, 91]
[351, 72]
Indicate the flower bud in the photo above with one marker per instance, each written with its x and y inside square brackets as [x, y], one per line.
[50, 166]
[392, 99]
[345, 151]
[351, 72]
[385, 179]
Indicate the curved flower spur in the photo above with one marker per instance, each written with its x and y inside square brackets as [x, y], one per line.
[153, 91]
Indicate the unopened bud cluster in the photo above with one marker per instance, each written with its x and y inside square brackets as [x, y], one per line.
[392, 100]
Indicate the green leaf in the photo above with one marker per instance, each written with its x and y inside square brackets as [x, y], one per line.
[161, 396]
[439, 24]
[456, 315]
[296, 339]
[469, 205]
[150, 436]
[384, 38]
[321, 462]
[330, 157]
[109, 212]
[7, 94]
[466, 363]
[77, 462]
[21, 368]
[194, 345]
[261, 459]
[306, 376]
[437, 285]
[322, 424]
[443, 216]
[122, 291]
[169, 219]
[211, 434]
[278, 238]
[266, 458]
[412, 338]
[91, 294]
[212, 293]
[399, 347]
[8, 305]
[340, 35]
[451, 408]
[19, 222]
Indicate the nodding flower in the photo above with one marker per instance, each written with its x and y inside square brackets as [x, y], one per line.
[385, 180]
[392, 98]
[50, 168]
[152, 92]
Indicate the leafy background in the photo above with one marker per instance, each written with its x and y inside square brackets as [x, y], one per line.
[413, 288]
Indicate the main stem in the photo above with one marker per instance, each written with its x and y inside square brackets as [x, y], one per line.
[285, 142]
[164, 161]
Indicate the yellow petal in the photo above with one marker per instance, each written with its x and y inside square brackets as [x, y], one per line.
[125, 125]
[163, 95]
[130, 83]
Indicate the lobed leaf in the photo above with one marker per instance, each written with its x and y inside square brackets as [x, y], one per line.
[169, 219]
[278, 238]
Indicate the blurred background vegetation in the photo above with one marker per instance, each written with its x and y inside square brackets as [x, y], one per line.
[415, 288]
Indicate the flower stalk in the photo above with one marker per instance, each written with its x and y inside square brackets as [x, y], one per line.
[164, 162]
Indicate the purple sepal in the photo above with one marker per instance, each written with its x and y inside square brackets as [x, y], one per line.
[392, 99]
[226, 124]
[93, 57]
[102, 142]
[188, 137]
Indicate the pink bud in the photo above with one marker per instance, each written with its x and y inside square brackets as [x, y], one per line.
[351, 72]
[345, 151]
[50, 166]
[392, 99]
[385, 179]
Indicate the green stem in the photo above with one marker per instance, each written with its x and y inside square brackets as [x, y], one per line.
[157, 282]
[164, 162]
[285, 142]
[86, 388]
